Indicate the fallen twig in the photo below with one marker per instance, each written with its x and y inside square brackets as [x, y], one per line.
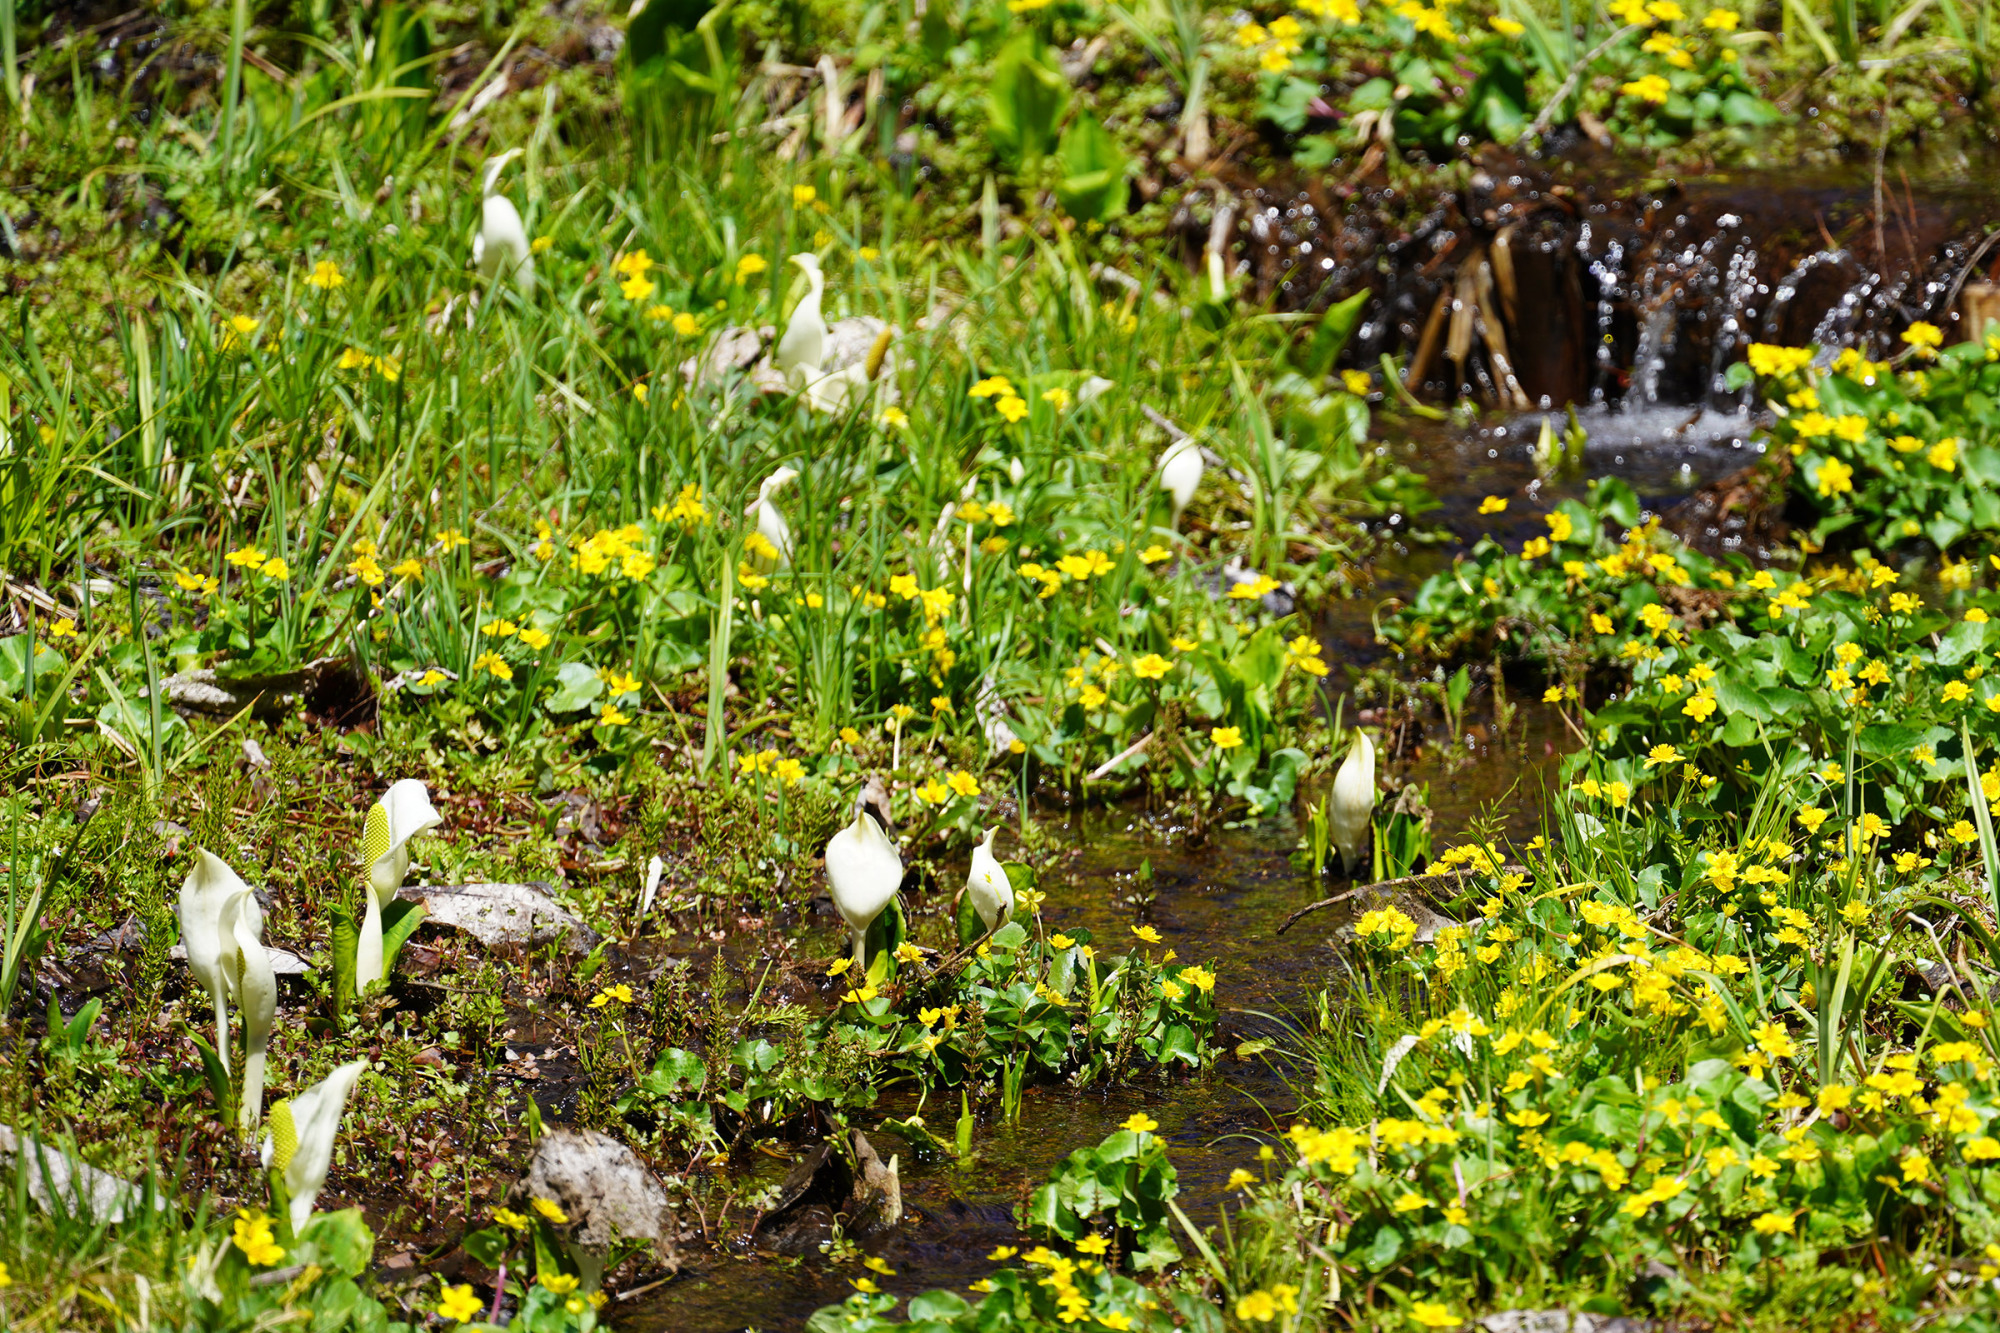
[1102, 769]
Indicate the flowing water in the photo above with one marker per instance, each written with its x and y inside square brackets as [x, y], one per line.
[1521, 293]
[1540, 284]
[1224, 901]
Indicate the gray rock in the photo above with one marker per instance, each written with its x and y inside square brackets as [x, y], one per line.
[283, 961]
[734, 350]
[1560, 1321]
[607, 1193]
[503, 914]
[848, 341]
[203, 691]
[56, 1178]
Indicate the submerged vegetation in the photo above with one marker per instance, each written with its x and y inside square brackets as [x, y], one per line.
[569, 575]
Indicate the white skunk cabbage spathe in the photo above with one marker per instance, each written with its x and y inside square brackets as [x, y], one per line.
[1353, 804]
[864, 871]
[838, 390]
[1180, 473]
[299, 1145]
[207, 891]
[501, 247]
[255, 987]
[803, 346]
[771, 523]
[655, 870]
[403, 812]
[986, 884]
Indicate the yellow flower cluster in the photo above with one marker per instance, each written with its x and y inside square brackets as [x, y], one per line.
[757, 763]
[621, 549]
[353, 358]
[1277, 44]
[686, 510]
[938, 790]
[253, 1237]
[1006, 401]
[1081, 568]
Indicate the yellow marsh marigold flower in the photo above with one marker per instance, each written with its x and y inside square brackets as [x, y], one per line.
[1433, 1314]
[1151, 667]
[1924, 338]
[993, 386]
[1227, 738]
[326, 276]
[1647, 88]
[1506, 27]
[749, 266]
[1774, 362]
[1011, 408]
[562, 1284]
[540, 243]
[1835, 478]
[458, 1304]
[494, 665]
[1140, 1123]
[552, 1212]
[1493, 504]
[1146, 934]
[253, 1237]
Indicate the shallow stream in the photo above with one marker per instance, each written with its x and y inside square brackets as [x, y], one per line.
[1225, 900]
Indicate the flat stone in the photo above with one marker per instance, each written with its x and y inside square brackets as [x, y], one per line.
[56, 1177]
[607, 1193]
[497, 914]
[283, 961]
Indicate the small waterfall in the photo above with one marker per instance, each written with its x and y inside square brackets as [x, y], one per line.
[1522, 289]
